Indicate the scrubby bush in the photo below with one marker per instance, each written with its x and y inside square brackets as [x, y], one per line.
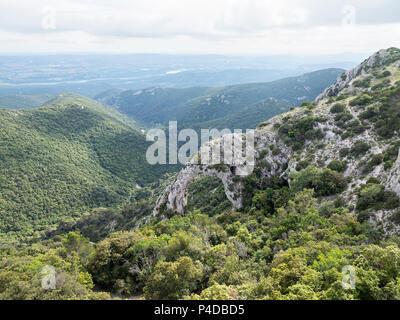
[216, 292]
[391, 155]
[344, 152]
[337, 165]
[373, 180]
[388, 123]
[373, 163]
[365, 83]
[338, 108]
[381, 85]
[375, 196]
[343, 117]
[359, 148]
[384, 74]
[172, 280]
[327, 209]
[361, 100]
[370, 195]
[297, 131]
[325, 182]
[370, 113]
[395, 217]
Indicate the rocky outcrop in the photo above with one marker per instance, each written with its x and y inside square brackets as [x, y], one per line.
[394, 178]
[175, 196]
[275, 156]
[374, 61]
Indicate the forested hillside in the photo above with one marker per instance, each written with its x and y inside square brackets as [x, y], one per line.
[62, 159]
[192, 106]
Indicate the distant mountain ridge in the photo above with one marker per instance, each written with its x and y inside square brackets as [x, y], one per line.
[23, 101]
[158, 106]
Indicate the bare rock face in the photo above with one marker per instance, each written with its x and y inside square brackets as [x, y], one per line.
[394, 178]
[348, 76]
[175, 196]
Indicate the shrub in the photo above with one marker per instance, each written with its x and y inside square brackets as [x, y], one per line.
[384, 74]
[392, 201]
[327, 209]
[302, 165]
[375, 196]
[216, 292]
[172, 280]
[338, 108]
[392, 152]
[375, 161]
[395, 217]
[344, 152]
[342, 97]
[324, 182]
[307, 104]
[275, 150]
[373, 180]
[388, 165]
[360, 147]
[365, 83]
[390, 155]
[344, 116]
[369, 113]
[297, 131]
[389, 115]
[369, 196]
[381, 85]
[361, 100]
[356, 127]
[337, 165]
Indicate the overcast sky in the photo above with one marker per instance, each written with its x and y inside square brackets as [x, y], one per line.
[199, 26]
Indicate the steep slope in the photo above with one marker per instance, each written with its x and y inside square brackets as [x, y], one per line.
[195, 105]
[64, 158]
[345, 146]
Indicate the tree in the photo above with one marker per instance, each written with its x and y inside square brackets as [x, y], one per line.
[75, 242]
[172, 280]
[325, 182]
[378, 272]
[216, 292]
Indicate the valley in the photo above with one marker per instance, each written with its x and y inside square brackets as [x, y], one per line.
[77, 193]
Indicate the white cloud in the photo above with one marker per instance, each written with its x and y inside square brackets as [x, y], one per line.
[225, 26]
